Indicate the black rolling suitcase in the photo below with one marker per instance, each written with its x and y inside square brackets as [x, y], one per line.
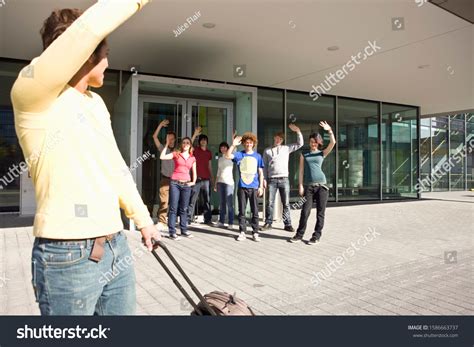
[214, 303]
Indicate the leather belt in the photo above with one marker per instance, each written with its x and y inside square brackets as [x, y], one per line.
[98, 251]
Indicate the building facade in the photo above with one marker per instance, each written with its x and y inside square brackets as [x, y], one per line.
[384, 151]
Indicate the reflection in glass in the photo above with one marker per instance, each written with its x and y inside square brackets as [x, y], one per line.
[439, 150]
[307, 114]
[399, 151]
[359, 150]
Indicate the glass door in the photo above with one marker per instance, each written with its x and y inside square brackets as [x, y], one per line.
[151, 112]
[216, 120]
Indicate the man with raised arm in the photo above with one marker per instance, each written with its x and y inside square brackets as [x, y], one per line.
[276, 160]
[81, 180]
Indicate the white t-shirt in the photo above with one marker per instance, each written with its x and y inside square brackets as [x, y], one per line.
[225, 171]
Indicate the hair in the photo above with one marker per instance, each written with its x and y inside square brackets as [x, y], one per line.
[250, 136]
[203, 137]
[280, 134]
[171, 132]
[223, 144]
[316, 136]
[58, 22]
[180, 147]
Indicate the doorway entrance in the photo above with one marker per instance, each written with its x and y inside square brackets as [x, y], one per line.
[184, 115]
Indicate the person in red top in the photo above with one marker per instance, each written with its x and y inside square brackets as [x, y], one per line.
[204, 178]
[180, 185]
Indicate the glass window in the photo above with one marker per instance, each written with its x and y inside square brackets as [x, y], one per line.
[425, 148]
[10, 152]
[307, 114]
[270, 116]
[439, 175]
[359, 150]
[457, 155]
[399, 151]
[470, 145]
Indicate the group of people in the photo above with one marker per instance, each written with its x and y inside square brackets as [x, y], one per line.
[79, 180]
[187, 175]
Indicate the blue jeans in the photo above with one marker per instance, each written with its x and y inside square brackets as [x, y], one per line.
[201, 189]
[178, 206]
[66, 282]
[281, 184]
[226, 195]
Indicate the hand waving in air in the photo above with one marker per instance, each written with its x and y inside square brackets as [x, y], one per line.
[237, 140]
[325, 125]
[294, 128]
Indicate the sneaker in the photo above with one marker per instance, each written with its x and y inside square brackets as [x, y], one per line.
[210, 223]
[256, 237]
[187, 235]
[313, 241]
[174, 237]
[242, 236]
[289, 228]
[230, 227]
[220, 225]
[266, 226]
[295, 239]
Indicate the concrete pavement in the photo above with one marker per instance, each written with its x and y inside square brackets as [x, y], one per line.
[399, 258]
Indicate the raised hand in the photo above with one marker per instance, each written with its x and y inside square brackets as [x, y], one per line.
[325, 125]
[237, 140]
[294, 128]
[197, 131]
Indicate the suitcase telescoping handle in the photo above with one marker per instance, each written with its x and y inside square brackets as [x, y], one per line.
[186, 278]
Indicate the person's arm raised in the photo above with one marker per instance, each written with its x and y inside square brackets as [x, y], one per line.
[235, 143]
[332, 139]
[299, 139]
[162, 124]
[40, 83]
[163, 154]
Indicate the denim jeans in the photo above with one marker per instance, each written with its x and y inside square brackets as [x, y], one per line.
[320, 195]
[201, 189]
[282, 185]
[226, 195]
[178, 206]
[250, 194]
[66, 282]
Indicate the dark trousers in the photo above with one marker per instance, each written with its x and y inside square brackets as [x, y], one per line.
[250, 194]
[201, 189]
[178, 206]
[320, 195]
